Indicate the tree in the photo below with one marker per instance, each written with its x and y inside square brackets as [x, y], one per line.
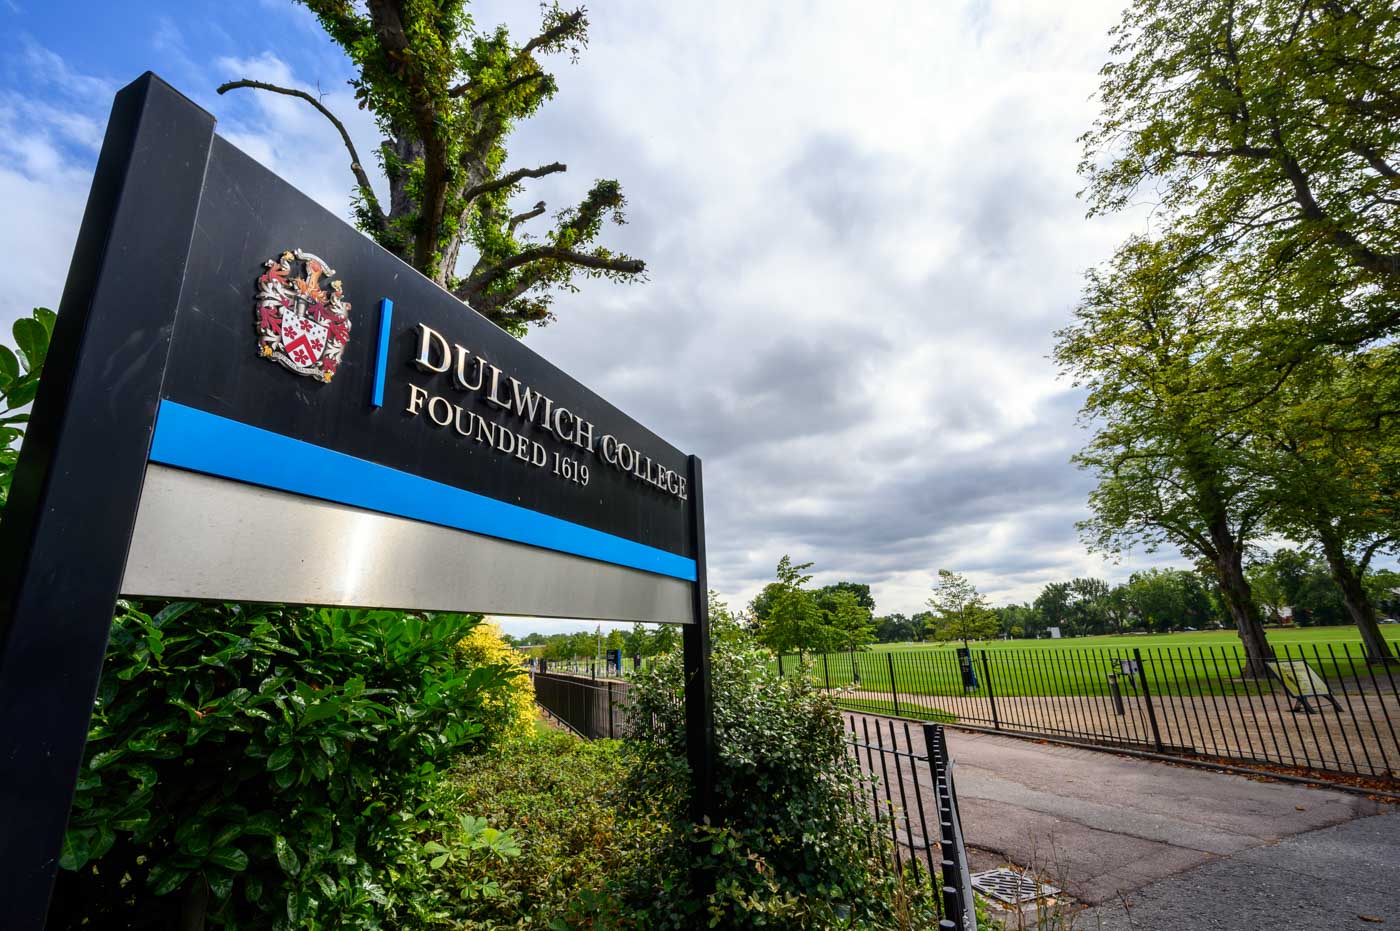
[1299, 582]
[1160, 600]
[896, 628]
[1154, 344]
[664, 641]
[1270, 131]
[1383, 586]
[1330, 453]
[960, 612]
[788, 617]
[859, 590]
[446, 96]
[1020, 620]
[1053, 605]
[762, 603]
[1092, 606]
[847, 620]
[636, 641]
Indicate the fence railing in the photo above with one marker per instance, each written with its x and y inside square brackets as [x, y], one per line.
[1321, 707]
[913, 797]
[592, 709]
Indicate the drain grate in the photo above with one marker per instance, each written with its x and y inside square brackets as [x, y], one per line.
[1010, 886]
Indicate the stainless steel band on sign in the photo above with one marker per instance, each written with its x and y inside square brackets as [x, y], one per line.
[258, 544]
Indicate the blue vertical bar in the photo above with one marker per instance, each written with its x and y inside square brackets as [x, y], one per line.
[381, 361]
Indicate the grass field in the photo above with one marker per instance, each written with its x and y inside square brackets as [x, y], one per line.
[1202, 638]
[1190, 663]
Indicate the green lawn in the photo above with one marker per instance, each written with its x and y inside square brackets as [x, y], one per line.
[1203, 638]
[1191, 663]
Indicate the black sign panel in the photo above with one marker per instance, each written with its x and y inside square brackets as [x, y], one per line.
[248, 216]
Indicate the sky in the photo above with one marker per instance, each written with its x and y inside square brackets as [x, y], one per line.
[860, 225]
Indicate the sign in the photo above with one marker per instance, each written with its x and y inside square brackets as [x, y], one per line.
[247, 399]
[1301, 683]
[965, 668]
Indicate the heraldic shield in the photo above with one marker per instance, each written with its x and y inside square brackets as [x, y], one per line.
[303, 325]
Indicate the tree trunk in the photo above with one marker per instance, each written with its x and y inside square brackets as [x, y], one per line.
[1239, 601]
[1359, 606]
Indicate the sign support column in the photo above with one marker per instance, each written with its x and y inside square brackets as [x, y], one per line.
[699, 713]
[72, 506]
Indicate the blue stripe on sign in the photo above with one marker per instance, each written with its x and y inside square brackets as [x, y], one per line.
[202, 442]
[381, 359]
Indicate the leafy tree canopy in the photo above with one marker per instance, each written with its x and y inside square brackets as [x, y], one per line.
[1267, 131]
[960, 611]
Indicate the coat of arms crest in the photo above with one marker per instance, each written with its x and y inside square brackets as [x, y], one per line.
[303, 325]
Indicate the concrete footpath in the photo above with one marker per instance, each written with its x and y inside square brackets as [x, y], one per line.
[1184, 848]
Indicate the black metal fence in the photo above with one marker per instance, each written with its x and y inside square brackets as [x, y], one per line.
[1320, 707]
[913, 797]
[590, 708]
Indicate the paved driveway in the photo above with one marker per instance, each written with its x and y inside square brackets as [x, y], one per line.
[1184, 847]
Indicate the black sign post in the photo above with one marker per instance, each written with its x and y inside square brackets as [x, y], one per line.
[205, 369]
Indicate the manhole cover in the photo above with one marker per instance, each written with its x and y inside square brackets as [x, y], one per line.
[1010, 886]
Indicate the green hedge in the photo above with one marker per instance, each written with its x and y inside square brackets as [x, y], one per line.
[256, 766]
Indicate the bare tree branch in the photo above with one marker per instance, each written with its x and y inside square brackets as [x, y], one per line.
[480, 279]
[356, 166]
[511, 178]
[520, 218]
[559, 30]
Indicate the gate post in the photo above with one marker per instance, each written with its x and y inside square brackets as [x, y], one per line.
[894, 689]
[991, 693]
[1147, 699]
[610, 710]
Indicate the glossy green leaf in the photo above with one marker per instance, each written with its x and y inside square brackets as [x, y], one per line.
[33, 340]
[77, 847]
[286, 856]
[280, 758]
[230, 858]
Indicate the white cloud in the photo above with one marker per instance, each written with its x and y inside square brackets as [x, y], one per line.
[861, 229]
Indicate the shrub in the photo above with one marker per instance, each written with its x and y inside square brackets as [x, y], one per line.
[561, 798]
[276, 767]
[792, 846]
[510, 709]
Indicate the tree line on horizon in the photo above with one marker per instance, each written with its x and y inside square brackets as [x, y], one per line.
[1289, 586]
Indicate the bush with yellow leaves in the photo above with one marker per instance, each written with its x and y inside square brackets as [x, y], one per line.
[511, 707]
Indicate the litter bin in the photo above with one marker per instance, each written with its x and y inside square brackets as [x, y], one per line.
[1116, 692]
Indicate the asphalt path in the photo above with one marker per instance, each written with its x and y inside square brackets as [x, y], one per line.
[1154, 845]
